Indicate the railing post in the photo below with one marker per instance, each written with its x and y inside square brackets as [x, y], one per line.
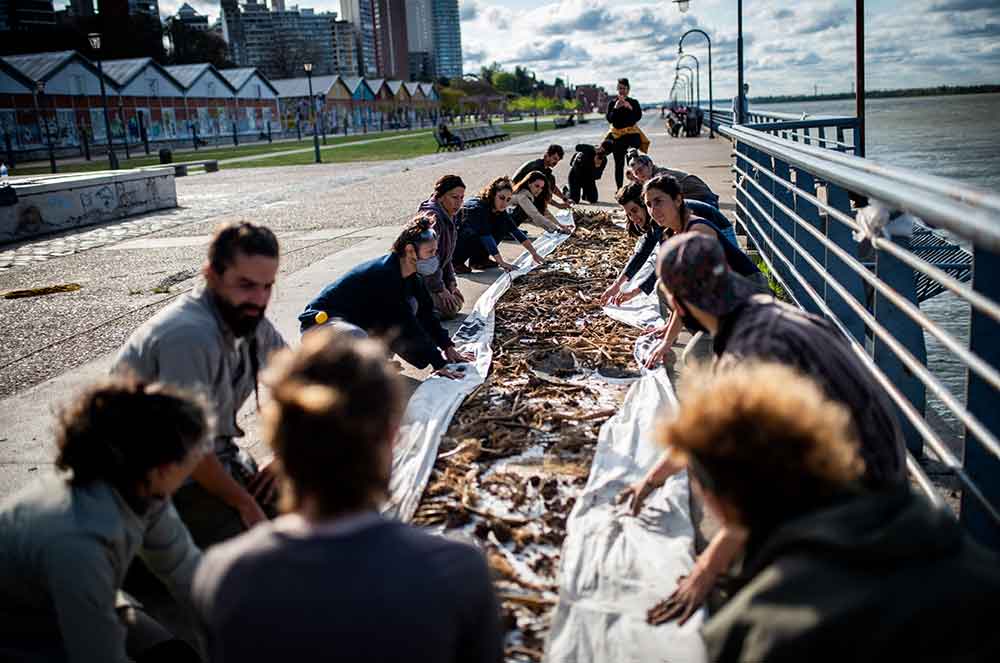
[741, 199]
[983, 468]
[783, 221]
[840, 139]
[900, 277]
[810, 214]
[822, 137]
[761, 159]
[840, 235]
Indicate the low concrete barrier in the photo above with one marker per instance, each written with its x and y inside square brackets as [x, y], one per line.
[52, 203]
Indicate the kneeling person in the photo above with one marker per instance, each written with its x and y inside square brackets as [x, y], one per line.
[485, 221]
[386, 296]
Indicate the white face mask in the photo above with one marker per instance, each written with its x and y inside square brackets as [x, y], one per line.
[427, 266]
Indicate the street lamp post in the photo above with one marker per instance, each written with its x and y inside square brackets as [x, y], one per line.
[312, 107]
[680, 49]
[697, 75]
[739, 63]
[685, 87]
[690, 79]
[95, 43]
[42, 122]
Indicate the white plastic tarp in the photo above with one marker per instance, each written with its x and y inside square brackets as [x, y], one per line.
[431, 408]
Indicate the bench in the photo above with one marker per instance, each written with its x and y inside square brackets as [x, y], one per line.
[564, 122]
[181, 169]
[470, 137]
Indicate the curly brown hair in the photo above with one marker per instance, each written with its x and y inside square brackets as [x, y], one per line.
[120, 428]
[336, 405]
[765, 438]
[490, 191]
[419, 230]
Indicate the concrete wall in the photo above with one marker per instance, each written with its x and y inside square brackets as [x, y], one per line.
[51, 204]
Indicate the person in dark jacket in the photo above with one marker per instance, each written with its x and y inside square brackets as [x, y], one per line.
[747, 326]
[387, 297]
[585, 168]
[553, 155]
[484, 223]
[666, 207]
[444, 203]
[333, 579]
[832, 572]
[623, 115]
[642, 169]
[124, 447]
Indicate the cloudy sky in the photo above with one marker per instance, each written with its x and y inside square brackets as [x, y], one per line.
[789, 46]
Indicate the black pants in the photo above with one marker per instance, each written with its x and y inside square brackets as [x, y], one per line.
[621, 146]
[469, 248]
[580, 184]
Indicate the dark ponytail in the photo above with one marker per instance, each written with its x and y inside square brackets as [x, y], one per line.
[120, 429]
[419, 230]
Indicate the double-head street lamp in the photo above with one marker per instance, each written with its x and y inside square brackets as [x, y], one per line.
[95, 43]
[312, 106]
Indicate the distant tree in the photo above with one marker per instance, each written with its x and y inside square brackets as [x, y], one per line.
[505, 82]
[192, 46]
[451, 99]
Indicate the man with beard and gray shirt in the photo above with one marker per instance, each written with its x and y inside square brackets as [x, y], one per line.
[213, 341]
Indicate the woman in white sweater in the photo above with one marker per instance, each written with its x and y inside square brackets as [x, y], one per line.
[530, 203]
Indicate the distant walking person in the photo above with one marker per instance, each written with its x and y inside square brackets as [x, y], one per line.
[623, 115]
[746, 103]
[334, 579]
[213, 341]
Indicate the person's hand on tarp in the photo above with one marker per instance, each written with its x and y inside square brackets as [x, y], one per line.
[609, 294]
[687, 598]
[623, 297]
[661, 354]
[635, 495]
[453, 355]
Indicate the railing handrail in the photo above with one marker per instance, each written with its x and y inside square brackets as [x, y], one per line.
[971, 220]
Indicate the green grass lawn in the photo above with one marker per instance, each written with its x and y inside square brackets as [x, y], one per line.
[404, 148]
[220, 153]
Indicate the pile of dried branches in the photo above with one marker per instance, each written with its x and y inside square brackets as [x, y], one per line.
[519, 450]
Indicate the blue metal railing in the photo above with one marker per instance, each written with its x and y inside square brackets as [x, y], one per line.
[797, 203]
[835, 132]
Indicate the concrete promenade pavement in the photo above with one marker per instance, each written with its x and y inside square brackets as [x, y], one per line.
[328, 217]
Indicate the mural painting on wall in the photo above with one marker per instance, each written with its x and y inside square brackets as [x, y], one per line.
[8, 125]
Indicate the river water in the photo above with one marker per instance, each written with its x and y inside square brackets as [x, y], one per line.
[953, 137]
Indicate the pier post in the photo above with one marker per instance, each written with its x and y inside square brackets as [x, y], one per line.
[841, 235]
[810, 213]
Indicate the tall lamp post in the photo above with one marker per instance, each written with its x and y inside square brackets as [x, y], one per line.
[43, 124]
[312, 107]
[697, 74]
[95, 43]
[711, 105]
[690, 79]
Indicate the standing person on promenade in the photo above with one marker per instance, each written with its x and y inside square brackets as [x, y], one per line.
[623, 115]
[585, 168]
[484, 223]
[334, 579]
[553, 155]
[124, 447]
[746, 103]
[213, 341]
[444, 204]
[745, 326]
[668, 209]
[832, 572]
[387, 297]
[530, 202]
[642, 169]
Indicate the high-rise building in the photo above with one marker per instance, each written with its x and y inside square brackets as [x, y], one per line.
[191, 19]
[391, 39]
[345, 48]
[79, 7]
[447, 33]
[421, 67]
[232, 30]
[25, 15]
[279, 42]
[419, 30]
[362, 14]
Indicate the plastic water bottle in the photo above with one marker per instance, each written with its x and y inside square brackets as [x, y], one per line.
[3, 175]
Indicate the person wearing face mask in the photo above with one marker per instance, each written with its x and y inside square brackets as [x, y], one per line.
[484, 222]
[642, 169]
[701, 284]
[124, 446]
[530, 203]
[387, 297]
[444, 204]
[214, 341]
[662, 195]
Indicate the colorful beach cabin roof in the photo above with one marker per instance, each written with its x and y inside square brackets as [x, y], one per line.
[249, 83]
[379, 89]
[399, 92]
[202, 80]
[360, 90]
[429, 92]
[415, 92]
[289, 88]
[62, 72]
[142, 77]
